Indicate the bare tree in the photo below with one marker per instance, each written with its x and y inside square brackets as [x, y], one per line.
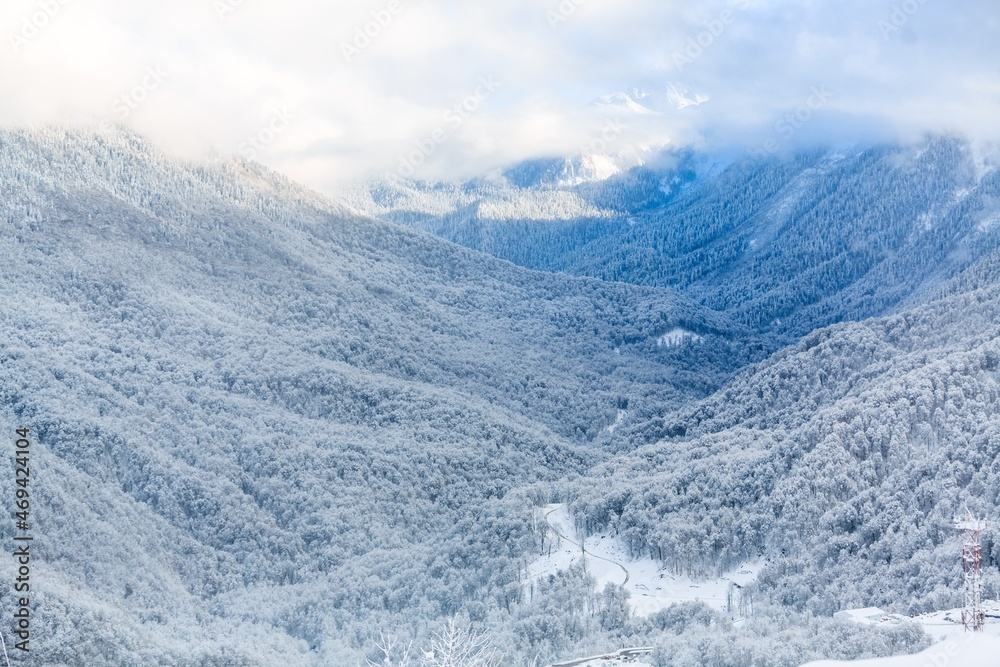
[457, 646]
[394, 652]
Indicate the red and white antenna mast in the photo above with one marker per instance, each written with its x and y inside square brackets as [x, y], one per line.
[973, 616]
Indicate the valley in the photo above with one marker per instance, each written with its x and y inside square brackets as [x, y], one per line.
[312, 428]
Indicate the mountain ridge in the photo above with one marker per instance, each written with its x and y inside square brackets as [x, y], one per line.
[784, 245]
[250, 395]
[306, 426]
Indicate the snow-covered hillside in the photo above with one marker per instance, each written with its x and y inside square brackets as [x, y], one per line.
[966, 652]
[312, 431]
[843, 459]
[261, 421]
[785, 245]
[651, 584]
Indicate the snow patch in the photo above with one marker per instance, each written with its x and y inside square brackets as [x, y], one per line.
[677, 337]
[597, 167]
[651, 585]
[600, 167]
[622, 414]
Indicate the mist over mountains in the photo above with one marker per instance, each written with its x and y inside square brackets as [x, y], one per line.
[269, 426]
[783, 244]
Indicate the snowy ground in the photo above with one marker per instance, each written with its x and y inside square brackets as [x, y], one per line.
[606, 661]
[956, 647]
[947, 625]
[653, 588]
[651, 585]
[961, 652]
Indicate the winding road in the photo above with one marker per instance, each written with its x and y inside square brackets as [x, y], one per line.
[583, 548]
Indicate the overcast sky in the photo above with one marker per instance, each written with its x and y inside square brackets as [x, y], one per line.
[451, 88]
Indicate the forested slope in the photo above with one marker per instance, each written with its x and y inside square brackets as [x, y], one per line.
[784, 244]
[266, 427]
[843, 460]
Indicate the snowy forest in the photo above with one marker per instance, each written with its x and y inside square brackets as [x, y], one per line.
[275, 428]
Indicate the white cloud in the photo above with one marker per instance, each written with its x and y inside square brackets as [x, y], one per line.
[896, 68]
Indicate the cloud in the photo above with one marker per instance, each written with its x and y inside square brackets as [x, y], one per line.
[366, 84]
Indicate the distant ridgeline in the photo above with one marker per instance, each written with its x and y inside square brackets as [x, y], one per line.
[268, 430]
[783, 245]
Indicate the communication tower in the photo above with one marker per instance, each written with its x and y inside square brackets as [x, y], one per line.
[973, 616]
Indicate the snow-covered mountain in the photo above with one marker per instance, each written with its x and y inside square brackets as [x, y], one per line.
[272, 429]
[842, 458]
[639, 102]
[784, 245]
[622, 102]
[266, 427]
